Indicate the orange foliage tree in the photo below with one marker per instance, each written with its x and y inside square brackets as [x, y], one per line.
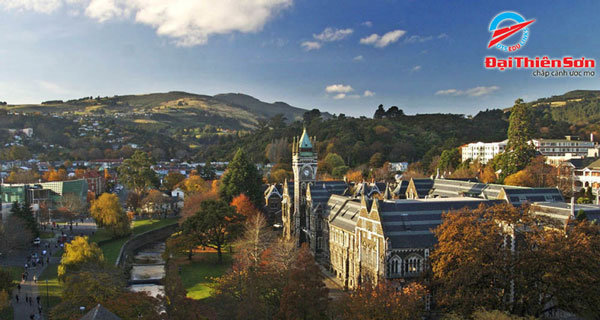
[244, 206]
[475, 266]
[383, 301]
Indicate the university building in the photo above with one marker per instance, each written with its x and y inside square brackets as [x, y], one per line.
[373, 231]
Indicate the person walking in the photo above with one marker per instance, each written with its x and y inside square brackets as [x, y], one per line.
[19, 287]
[38, 300]
[34, 278]
[17, 297]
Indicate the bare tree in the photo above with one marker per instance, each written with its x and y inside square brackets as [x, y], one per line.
[257, 237]
[71, 206]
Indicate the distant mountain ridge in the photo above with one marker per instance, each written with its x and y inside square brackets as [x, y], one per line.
[181, 109]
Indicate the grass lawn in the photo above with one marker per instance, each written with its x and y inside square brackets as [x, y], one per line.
[197, 275]
[15, 273]
[112, 248]
[54, 287]
[46, 235]
[141, 226]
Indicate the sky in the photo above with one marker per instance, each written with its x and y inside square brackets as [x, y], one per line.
[338, 56]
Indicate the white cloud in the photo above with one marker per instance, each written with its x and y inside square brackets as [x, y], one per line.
[339, 88]
[384, 40]
[333, 34]
[368, 93]
[188, 22]
[339, 96]
[416, 68]
[311, 45]
[358, 58]
[367, 24]
[442, 36]
[448, 92]
[481, 91]
[473, 92]
[416, 38]
[43, 6]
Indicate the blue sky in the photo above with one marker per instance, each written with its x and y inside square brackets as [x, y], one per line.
[311, 54]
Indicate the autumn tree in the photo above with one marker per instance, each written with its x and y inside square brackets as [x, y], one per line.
[214, 225]
[23, 176]
[193, 184]
[71, 206]
[241, 177]
[488, 175]
[244, 206]
[172, 179]
[154, 202]
[382, 301]
[305, 295]
[136, 173]
[108, 213]
[80, 254]
[107, 287]
[504, 258]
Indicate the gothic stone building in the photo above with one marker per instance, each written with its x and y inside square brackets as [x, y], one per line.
[303, 207]
[376, 239]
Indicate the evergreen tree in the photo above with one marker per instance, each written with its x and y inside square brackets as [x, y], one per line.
[518, 152]
[23, 212]
[241, 177]
[207, 172]
[380, 113]
[136, 173]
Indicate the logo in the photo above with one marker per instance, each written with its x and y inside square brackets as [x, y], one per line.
[506, 25]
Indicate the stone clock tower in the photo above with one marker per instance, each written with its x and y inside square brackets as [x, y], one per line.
[304, 164]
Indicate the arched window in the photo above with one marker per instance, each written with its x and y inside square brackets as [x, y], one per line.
[413, 265]
[394, 266]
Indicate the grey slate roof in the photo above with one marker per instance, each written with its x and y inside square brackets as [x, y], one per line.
[409, 223]
[562, 211]
[343, 212]
[447, 188]
[520, 196]
[100, 313]
[320, 191]
[423, 186]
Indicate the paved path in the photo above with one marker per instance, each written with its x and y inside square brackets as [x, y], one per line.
[24, 310]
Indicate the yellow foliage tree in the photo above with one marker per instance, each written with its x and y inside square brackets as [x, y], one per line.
[195, 184]
[108, 213]
[78, 254]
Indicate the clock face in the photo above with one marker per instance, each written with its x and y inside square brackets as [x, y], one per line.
[306, 173]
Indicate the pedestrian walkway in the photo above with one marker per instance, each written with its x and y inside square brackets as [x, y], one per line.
[23, 309]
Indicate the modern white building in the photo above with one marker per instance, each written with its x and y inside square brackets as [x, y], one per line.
[562, 147]
[482, 151]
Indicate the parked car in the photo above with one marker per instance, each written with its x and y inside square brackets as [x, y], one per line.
[36, 241]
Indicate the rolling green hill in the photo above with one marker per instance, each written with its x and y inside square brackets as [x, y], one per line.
[172, 109]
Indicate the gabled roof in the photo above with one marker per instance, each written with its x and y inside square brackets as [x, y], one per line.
[320, 191]
[561, 212]
[99, 313]
[520, 196]
[594, 165]
[343, 212]
[409, 223]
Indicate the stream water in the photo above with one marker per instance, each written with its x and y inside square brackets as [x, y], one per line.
[149, 265]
